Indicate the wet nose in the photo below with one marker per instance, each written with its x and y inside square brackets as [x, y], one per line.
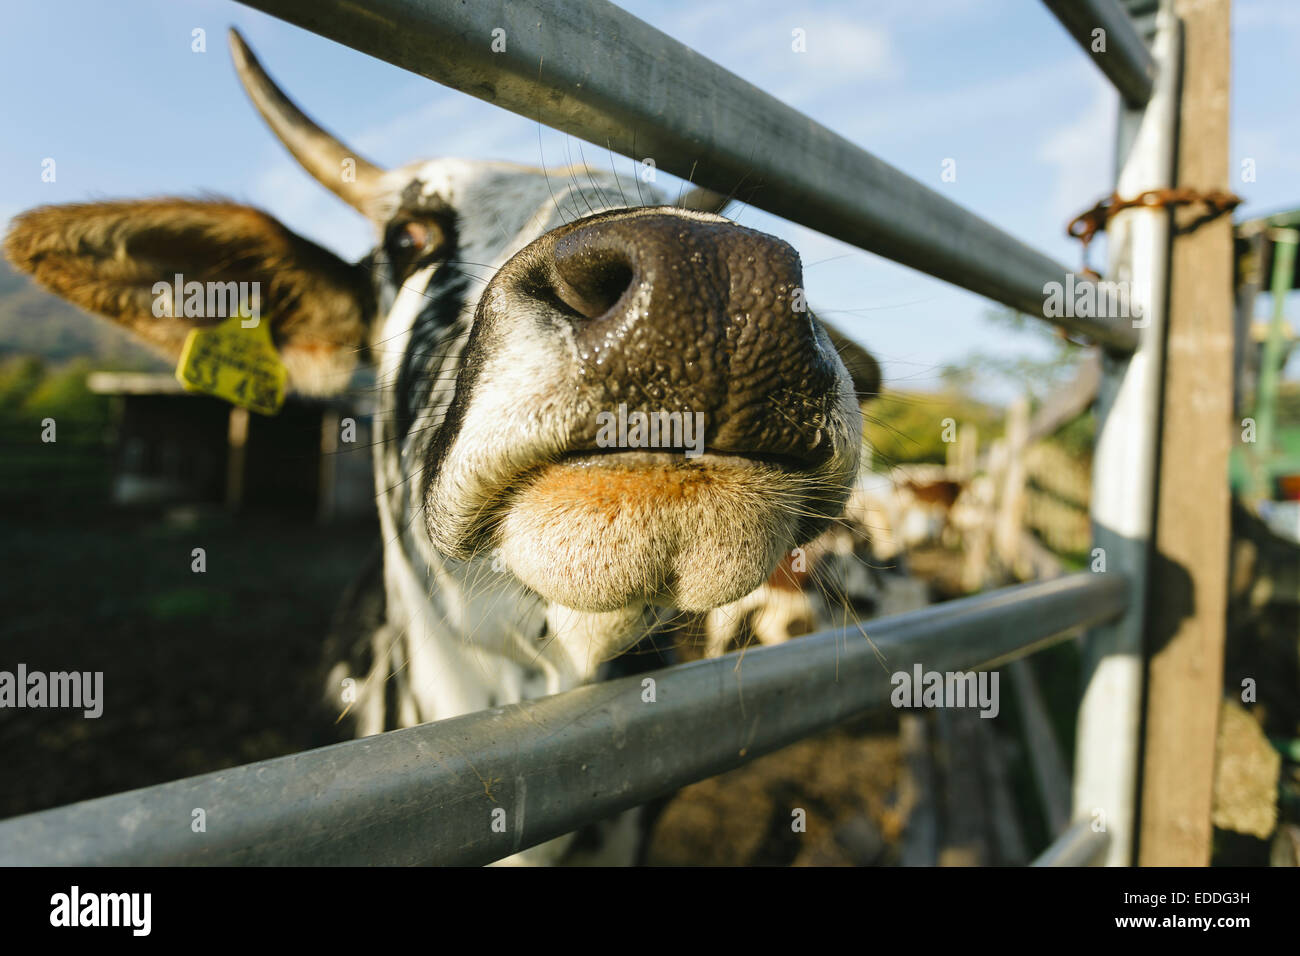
[693, 315]
[683, 275]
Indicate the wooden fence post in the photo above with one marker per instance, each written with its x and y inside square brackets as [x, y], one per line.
[1189, 574]
[1010, 513]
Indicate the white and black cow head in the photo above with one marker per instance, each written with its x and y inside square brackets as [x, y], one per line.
[506, 309]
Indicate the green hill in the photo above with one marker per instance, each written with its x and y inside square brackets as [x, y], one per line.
[35, 323]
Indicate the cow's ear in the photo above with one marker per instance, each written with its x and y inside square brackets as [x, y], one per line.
[117, 259]
[862, 367]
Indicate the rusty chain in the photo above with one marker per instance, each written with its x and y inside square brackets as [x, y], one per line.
[1092, 221]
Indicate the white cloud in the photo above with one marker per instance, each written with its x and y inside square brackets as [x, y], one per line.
[842, 50]
[840, 53]
[1080, 153]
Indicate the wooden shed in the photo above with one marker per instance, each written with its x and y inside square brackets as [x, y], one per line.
[175, 447]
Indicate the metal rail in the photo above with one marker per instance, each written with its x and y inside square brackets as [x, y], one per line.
[427, 794]
[1080, 845]
[1122, 56]
[588, 68]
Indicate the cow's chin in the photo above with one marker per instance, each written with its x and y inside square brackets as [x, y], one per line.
[600, 532]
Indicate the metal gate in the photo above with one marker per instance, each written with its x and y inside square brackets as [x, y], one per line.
[423, 794]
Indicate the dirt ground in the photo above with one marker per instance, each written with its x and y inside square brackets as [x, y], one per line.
[845, 781]
[201, 671]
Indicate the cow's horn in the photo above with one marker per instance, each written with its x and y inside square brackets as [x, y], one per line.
[339, 169]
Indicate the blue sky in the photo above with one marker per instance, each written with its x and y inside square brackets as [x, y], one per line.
[113, 93]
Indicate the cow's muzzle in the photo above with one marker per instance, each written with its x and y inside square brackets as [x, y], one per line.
[684, 313]
[585, 341]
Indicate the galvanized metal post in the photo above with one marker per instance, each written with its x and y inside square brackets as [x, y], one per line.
[1270, 369]
[1125, 463]
[1250, 269]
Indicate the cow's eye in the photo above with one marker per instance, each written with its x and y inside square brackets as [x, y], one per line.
[411, 242]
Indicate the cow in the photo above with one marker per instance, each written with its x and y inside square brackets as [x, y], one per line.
[505, 310]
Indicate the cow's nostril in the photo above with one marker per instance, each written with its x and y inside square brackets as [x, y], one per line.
[591, 282]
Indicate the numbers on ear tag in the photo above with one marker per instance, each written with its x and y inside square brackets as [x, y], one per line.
[234, 363]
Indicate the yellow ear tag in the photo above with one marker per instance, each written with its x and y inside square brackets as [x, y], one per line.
[238, 364]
